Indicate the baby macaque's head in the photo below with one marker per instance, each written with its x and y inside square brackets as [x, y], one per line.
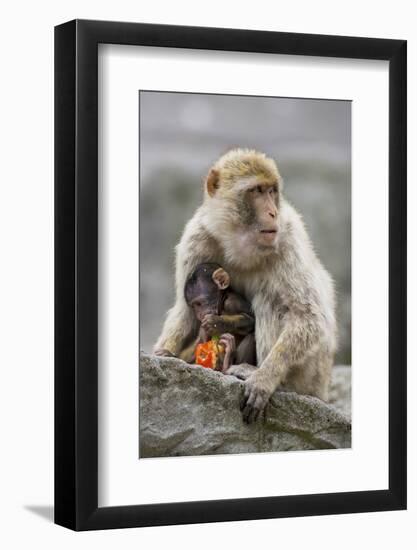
[204, 289]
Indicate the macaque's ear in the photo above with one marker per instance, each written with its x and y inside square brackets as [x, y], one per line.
[212, 181]
[221, 278]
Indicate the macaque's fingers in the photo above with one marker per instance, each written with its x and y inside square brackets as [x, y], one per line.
[254, 405]
[163, 353]
[248, 408]
[258, 407]
[226, 361]
[257, 397]
[209, 319]
[256, 413]
[245, 397]
[251, 412]
[208, 325]
[212, 324]
[229, 342]
[202, 336]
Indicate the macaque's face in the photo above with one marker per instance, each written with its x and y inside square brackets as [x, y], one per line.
[260, 212]
[243, 200]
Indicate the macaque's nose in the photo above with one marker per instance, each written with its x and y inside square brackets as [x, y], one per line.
[271, 209]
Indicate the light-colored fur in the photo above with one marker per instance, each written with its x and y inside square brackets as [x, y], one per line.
[291, 293]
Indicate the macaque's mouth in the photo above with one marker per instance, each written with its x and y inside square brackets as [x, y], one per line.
[268, 231]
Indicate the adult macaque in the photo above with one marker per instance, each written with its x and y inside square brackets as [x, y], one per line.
[221, 312]
[246, 225]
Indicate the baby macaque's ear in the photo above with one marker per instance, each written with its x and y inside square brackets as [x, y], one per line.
[212, 182]
[221, 278]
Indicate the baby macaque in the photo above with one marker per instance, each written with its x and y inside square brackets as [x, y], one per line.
[222, 313]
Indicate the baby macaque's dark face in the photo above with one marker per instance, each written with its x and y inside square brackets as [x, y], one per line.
[205, 304]
[205, 288]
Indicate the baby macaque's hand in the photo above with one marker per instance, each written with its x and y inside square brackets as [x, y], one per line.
[163, 353]
[229, 343]
[212, 324]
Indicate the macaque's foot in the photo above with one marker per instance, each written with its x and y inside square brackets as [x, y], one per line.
[242, 371]
[212, 324]
[258, 390]
[163, 353]
[229, 343]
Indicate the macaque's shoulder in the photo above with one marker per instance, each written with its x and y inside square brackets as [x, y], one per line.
[196, 241]
[192, 230]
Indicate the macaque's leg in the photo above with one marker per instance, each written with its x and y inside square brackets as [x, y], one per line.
[178, 328]
[245, 359]
[188, 353]
[297, 345]
[229, 343]
[246, 350]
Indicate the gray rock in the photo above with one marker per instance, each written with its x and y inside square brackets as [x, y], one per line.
[188, 410]
[341, 389]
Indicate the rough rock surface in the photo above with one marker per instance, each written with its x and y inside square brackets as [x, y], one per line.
[188, 410]
[341, 389]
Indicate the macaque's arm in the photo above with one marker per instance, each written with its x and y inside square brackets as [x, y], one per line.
[238, 314]
[300, 336]
[239, 324]
[180, 324]
[237, 318]
[236, 304]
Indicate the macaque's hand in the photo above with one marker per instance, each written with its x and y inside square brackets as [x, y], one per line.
[163, 353]
[212, 324]
[228, 341]
[258, 390]
[242, 371]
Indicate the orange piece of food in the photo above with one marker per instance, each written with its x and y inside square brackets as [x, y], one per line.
[206, 354]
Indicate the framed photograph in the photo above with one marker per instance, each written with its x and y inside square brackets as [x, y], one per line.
[230, 275]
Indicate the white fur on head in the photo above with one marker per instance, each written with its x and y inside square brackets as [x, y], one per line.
[241, 164]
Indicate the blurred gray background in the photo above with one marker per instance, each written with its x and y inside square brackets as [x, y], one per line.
[182, 134]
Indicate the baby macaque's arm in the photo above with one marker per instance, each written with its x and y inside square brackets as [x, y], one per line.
[237, 318]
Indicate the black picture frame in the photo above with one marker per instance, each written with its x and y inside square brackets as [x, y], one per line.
[76, 272]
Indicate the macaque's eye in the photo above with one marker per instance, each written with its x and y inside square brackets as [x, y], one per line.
[273, 190]
[196, 303]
